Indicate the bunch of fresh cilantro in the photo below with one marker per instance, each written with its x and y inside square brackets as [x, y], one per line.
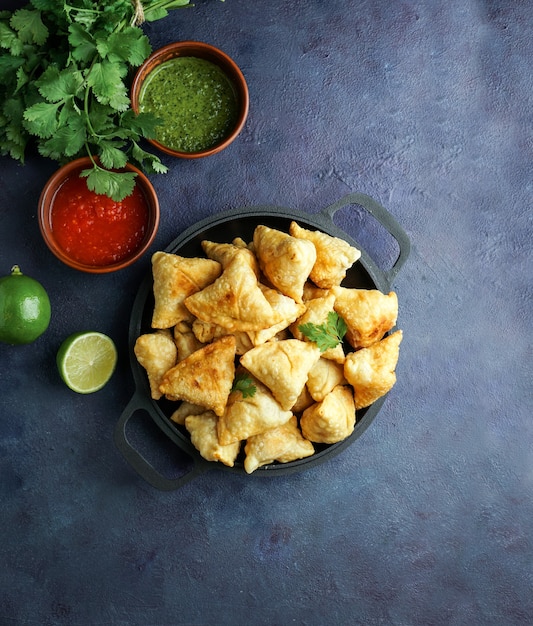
[64, 71]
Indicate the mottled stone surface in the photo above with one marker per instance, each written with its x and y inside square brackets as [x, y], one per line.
[427, 519]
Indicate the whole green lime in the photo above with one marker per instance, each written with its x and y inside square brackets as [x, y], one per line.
[24, 308]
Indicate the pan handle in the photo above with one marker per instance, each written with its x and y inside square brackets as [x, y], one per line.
[385, 219]
[141, 465]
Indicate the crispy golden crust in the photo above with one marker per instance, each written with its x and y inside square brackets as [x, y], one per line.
[205, 377]
[175, 278]
[203, 431]
[368, 313]
[183, 411]
[285, 260]
[283, 444]
[334, 256]
[249, 416]
[283, 367]
[224, 253]
[285, 307]
[323, 377]
[332, 419]
[157, 353]
[371, 371]
[234, 301]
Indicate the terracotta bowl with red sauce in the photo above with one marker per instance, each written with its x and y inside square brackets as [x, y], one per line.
[91, 232]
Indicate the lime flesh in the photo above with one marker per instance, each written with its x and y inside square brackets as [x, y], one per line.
[86, 361]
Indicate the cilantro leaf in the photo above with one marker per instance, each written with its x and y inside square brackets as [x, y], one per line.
[116, 185]
[29, 25]
[158, 12]
[244, 383]
[58, 86]
[148, 161]
[105, 78]
[327, 335]
[141, 124]
[111, 155]
[41, 118]
[68, 140]
[9, 40]
[128, 45]
[82, 42]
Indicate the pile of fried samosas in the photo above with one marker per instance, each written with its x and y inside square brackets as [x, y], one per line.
[240, 342]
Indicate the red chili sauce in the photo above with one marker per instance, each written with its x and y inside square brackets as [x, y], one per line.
[94, 229]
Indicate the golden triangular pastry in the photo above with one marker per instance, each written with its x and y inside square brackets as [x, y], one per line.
[368, 313]
[283, 367]
[234, 300]
[371, 371]
[183, 411]
[224, 253]
[333, 256]
[285, 307]
[284, 260]
[332, 419]
[323, 377]
[157, 353]
[203, 431]
[284, 443]
[205, 377]
[175, 278]
[249, 416]
[206, 332]
[185, 340]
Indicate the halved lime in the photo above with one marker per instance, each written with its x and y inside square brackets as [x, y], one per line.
[86, 361]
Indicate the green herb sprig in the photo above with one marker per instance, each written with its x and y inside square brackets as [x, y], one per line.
[327, 335]
[64, 67]
[244, 383]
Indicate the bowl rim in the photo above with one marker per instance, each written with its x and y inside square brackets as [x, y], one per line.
[45, 204]
[211, 53]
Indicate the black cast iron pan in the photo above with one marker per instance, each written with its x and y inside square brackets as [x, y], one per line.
[224, 227]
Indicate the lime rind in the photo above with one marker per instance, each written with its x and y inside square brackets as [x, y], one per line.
[25, 309]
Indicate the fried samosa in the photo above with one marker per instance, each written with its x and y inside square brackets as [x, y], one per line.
[283, 367]
[334, 256]
[157, 353]
[205, 377]
[234, 300]
[285, 307]
[185, 340]
[323, 377]
[175, 278]
[317, 311]
[183, 411]
[368, 313]
[371, 371]
[285, 260]
[203, 431]
[224, 253]
[332, 419]
[250, 415]
[283, 444]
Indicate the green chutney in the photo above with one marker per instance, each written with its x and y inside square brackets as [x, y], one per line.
[195, 101]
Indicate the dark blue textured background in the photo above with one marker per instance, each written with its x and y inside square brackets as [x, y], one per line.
[427, 519]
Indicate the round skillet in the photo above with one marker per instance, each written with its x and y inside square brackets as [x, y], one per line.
[224, 227]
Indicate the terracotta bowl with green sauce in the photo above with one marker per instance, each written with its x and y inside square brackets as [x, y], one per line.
[199, 94]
